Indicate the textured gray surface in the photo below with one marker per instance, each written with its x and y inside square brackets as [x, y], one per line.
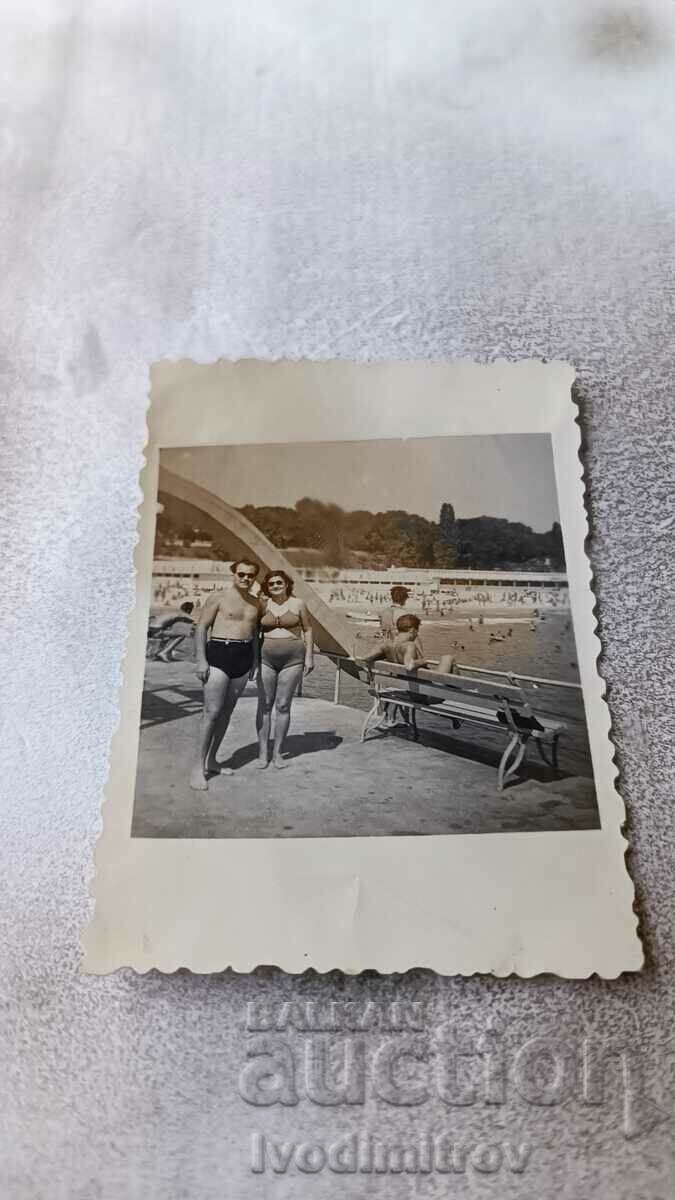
[378, 180]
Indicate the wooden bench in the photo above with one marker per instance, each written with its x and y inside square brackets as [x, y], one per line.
[459, 698]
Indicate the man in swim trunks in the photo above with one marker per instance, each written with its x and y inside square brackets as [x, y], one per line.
[225, 662]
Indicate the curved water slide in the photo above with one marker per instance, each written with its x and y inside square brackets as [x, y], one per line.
[208, 512]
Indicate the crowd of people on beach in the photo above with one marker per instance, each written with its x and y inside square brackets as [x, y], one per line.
[425, 600]
[441, 603]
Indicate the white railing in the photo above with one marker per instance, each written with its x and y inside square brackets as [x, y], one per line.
[338, 659]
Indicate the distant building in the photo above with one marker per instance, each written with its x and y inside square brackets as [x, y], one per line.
[176, 579]
[439, 580]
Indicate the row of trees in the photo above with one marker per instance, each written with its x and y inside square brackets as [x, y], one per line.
[406, 539]
[395, 537]
[493, 542]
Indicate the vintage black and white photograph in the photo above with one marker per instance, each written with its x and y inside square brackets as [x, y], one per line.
[362, 722]
[360, 639]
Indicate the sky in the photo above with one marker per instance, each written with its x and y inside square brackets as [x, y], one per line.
[509, 475]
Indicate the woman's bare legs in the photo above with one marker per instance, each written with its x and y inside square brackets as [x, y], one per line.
[288, 680]
[267, 691]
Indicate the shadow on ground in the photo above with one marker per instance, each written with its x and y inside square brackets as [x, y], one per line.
[461, 747]
[297, 746]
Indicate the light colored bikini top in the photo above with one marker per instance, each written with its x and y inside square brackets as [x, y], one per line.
[280, 621]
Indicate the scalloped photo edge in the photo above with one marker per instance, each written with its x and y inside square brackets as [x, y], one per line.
[377, 848]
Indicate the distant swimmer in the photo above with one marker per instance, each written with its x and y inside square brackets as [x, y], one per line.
[162, 618]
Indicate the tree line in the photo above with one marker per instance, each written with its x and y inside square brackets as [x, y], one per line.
[376, 540]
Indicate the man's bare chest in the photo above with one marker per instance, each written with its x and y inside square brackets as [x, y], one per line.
[233, 608]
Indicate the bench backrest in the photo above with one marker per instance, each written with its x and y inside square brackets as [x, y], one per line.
[438, 686]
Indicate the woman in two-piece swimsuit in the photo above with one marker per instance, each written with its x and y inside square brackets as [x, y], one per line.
[287, 652]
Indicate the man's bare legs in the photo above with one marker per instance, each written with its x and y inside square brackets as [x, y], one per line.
[215, 693]
[216, 697]
[234, 691]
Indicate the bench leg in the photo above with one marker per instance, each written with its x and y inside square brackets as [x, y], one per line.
[519, 745]
[542, 753]
[553, 761]
[373, 712]
[413, 722]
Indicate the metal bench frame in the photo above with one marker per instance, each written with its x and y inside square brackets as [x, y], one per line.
[453, 697]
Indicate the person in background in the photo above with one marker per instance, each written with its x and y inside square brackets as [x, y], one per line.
[390, 615]
[162, 618]
[406, 651]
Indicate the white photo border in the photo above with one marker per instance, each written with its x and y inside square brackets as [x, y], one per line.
[512, 903]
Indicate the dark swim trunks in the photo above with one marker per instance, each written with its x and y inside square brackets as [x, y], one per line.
[235, 658]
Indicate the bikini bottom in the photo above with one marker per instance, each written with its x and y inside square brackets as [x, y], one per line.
[278, 653]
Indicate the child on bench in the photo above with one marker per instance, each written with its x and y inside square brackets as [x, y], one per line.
[405, 651]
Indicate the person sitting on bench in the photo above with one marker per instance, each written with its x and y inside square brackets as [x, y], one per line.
[406, 651]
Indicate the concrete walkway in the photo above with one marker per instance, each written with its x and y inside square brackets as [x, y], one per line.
[333, 786]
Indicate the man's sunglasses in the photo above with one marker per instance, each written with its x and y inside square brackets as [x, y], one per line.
[245, 575]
